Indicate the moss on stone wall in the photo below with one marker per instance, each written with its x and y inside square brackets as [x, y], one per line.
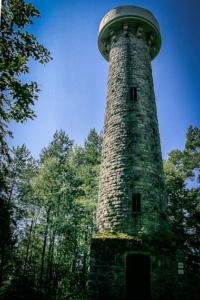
[105, 234]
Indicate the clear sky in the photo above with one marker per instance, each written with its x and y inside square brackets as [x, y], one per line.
[74, 83]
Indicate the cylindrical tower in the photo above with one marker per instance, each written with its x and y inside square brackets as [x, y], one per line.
[129, 257]
[131, 193]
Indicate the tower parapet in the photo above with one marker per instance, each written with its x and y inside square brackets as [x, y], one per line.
[127, 19]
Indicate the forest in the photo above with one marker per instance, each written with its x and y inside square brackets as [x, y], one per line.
[48, 205]
[48, 216]
[50, 219]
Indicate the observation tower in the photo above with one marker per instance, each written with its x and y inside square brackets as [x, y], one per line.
[131, 200]
[131, 193]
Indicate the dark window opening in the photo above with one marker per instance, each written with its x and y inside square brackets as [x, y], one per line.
[154, 132]
[136, 203]
[133, 94]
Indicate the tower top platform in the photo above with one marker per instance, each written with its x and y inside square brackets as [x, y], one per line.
[133, 16]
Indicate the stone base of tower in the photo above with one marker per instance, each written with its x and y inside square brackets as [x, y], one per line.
[125, 269]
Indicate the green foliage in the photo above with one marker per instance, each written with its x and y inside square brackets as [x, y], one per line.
[181, 171]
[58, 148]
[54, 219]
[161, 242]
[191, 159]
[52, 205]
[17, 47]
[93, 147]
[20, 171]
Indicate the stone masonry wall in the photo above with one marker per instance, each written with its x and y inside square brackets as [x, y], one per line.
[131, 156]
[107, 277]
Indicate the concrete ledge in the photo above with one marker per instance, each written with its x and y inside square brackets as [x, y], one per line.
[133, 16]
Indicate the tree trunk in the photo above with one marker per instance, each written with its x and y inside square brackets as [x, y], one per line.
[44, 248]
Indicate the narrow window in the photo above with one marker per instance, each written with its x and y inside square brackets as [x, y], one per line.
[136, 203]
[133, 94]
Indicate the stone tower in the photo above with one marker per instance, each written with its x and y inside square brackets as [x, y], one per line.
[131, 193]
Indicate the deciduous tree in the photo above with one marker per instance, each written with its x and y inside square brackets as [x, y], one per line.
[182, 171]
[17, 97]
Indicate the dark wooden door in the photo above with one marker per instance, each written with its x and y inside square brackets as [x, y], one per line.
[138, 277]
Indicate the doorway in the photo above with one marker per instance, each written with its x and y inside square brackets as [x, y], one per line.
[138, 277]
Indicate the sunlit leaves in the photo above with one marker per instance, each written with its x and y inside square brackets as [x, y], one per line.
[181, 172]
[17, 46]
[55, 206]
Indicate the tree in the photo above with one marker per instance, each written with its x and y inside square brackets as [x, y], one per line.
[17, 47]
[191, 153]
[58, 148]
[93, 147]
[53, 214]
[181, 172]
[21, 169]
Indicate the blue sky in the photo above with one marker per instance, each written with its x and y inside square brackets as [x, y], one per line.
[74, 84]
